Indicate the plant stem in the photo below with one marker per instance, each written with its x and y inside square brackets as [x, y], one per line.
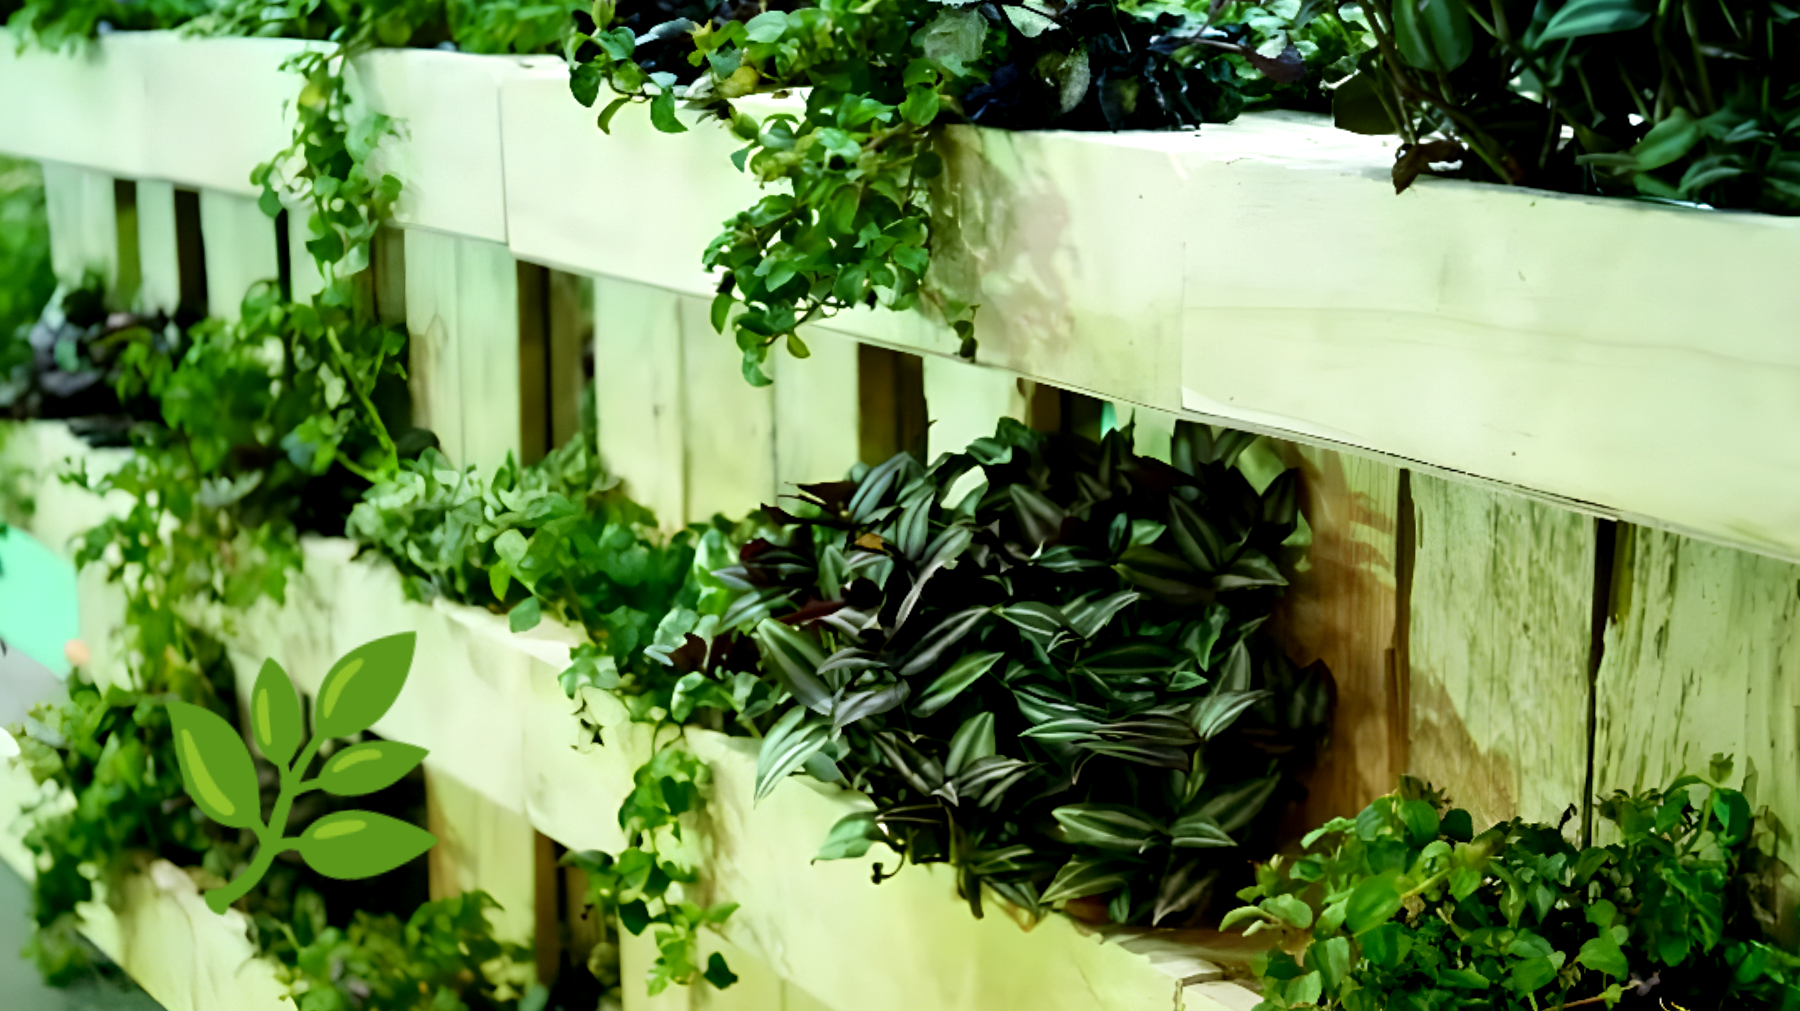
[269, 840]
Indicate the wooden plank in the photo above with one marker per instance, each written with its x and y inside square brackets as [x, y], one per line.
[1154, 430]
[1701, 652]
[83, 216]
[638, 393]
[729, 425]
[1500, 636]
[482, 846]
[462, 313]
[158, 247]
[304, 278]
[240, 249]
[966, 402]
[817, 411]
[1340, 608]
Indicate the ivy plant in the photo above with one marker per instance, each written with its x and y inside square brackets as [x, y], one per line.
[1406, 908]
[849, 221]
[1041, 659]
[647, 884]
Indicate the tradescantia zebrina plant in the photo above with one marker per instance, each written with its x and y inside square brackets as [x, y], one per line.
[1041, 659]
[1405, 908]
[848, 222]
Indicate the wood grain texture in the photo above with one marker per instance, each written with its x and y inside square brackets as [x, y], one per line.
[1501, 629]
[817, 411]
[638, 393]
[728, 425]
[240, 249]
[1702, 657]
[159, 248]
[966, 402]
[83, 218]
[1340, 608]
[482, 847]
[462, 312]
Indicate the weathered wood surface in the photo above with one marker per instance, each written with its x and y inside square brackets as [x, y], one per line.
[241, 250]
[482, 847]
[462, 312]
[1702, 658]
[1341, 608]
[965, 401]
[83, 216]
[1500, 641]
[728, 426]
[639, 392]
[158, 248]
[817, 411]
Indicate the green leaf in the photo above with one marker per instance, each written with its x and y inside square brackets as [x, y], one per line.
[275, 721]
[1667, 142]
[1578, 18]
[1433, 34]
[973, 741]
[525, 616]
[216, 767]
[1330, 958]
[963, 673]
[790, 742]
[794, 658]
[584, 83]
[604, 122]
[767, 27]
[1602, 954]
[851, 837]
[718, 973]
[662, 113]
[361, 687]
[1373, 902]
[1107, 826]
[368, 767]
[1082, 876]
[350, 845]
[954, 39]
[1290, 910]
[1421, 820]
[1212, 715]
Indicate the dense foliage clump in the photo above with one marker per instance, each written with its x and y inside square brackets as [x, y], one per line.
[1406, 908]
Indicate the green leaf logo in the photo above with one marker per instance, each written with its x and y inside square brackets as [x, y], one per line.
[216, 768]
[362, 686]
[220, 774]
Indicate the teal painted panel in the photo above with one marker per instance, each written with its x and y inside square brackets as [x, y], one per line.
[37, 600]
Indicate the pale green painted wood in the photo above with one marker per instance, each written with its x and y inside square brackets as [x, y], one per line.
[462, 310]
[240, 250]
[1500, 641]
[817, 416]
[1702, 657]
[638, 393]
[159, 265]
[1154, 431]
[304, 278]
[965, 402]
[728, 425]
[84, 228]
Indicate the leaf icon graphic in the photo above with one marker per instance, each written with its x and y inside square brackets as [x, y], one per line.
[362, 686]
[367, 767]
[275, 714]
[361, 844]
[216, 768]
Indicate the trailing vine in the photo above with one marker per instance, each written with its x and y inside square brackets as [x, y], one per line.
[850, 221]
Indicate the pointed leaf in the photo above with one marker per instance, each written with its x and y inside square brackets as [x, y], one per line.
[933, 644]
[951, 683]
[1107, 826]
[794, 658]
[275, 721]
[351, 845]
[851, 837]
[974, 740]
[362, 686]
[368, 767]
[216, 767]
[859, 705]
[1081, 877]
[1198, 831]
[1212, 715]
[791, 741]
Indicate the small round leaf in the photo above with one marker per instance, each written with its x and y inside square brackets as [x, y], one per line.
[350, 845]
[367, 767]
[275, 722]
[216, 768]
[362, 686]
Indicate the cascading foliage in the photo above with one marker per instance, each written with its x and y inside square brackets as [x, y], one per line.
[1041, 659]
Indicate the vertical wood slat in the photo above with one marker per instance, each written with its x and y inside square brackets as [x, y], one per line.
[82, 211]
[571, 327]
[159, 248]
[1340, 607]
[240, 250]
[1702, 656]
[482, 847]
[817, 411]
[638, 394]
[966, 401]
[728, 425]
[1500, 637]
[462, 313]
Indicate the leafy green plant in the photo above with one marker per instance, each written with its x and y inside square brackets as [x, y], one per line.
[1040, 659]
[643, 887]
[850, 223]
[220, 775]
[24, 263]
[1676, 100]
[1404, 907]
